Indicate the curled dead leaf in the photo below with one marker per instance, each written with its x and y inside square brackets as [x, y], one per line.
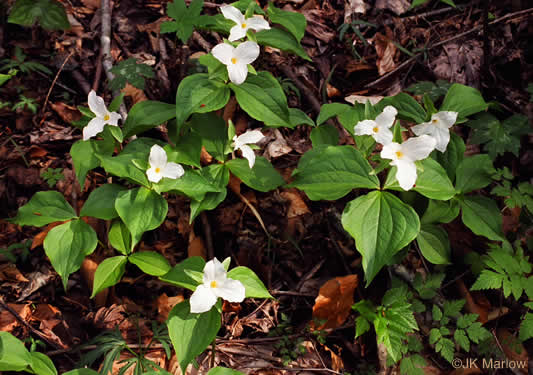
[335, 300]
[196, 246]
[385, 50]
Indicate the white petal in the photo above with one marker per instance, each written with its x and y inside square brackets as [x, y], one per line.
[173, 170]
[231, 290]
[154, 176]
[418, 148]
[423, 128]
[251, 136]
[249, 154]
[364, 127]
[406, 174]
[446, 118]
[237, 32]
[389, 151]
[214, 271]
[442, 136]
[247, 52]
[383, 136]
[203, 299]
[113, 118]
[387, 117]
[158, 157]
[97, 105]
[232, 13]
[95, 126]
[257, 23]
[237, 73]
[223, 52]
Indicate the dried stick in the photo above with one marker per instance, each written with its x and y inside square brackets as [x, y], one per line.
[55, 80]
[315, 103]
[208, 236]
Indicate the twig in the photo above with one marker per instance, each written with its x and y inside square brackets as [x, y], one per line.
[201, 41]
[98, 72]
[55, 80]
[311, 369]
[303, 88]
[289, 293]
[458, 36]
[435, 12]
[208, 235]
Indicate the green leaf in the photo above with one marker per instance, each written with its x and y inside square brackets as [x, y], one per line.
[262, 177]
[191, 333]
[453, 155]
[253, 285]
[223, 371]
[50, 14]
[463, 99]
[446, 348]
[416, 3]
[361, 326]
[434, 91]
[146, 115]
[324, 135]
[219, 174]
[283, 40]
[108, 273]
[434, 335]
[483, 217]
[192, 184]
[432, 180]
[198, 94]
[526, 328]
[460, 337]
[477, 333]
[120, 237]
[453, 308]
[298, 117]
[184, 18]
[331, 172]
[178, 275]
[188, 148]
[440, 211]
[413, 365]
[84, 156]
[408, 108]
[262, 97]
[474, 173]
[81, 371]
[381, 225]
[436, 313]
[42, 365]
[466, 320]
[141, 210]
[17, 357]
[488, 280]
[150, 262]
[44, 207]
[67, 245]
[434, 244]
[292, 21]
[129, 71]
[214, 133]
[330, 110]
[101, 202]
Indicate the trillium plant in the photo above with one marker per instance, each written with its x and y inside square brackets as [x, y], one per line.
[405, 169]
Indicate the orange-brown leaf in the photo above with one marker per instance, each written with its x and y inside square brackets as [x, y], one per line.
[334, 301]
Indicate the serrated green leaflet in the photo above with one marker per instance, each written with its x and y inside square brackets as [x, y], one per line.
[381, 225]
[44, 207]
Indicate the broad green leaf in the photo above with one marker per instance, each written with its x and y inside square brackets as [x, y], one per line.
[434, 244]
[215, 69]
[331, 172]
[330, 110]
[150, 262]
[178, 276]
[146, 115]
[15, 356]
[262, 97]
[44, 207]
[198, 94]
[191, 333]
[81, 371]
[253, 285]
[283, 40]
[84, 156]
[6, 77]
[214, 133]
[67, 245]
[381, 225]
[453, 155]
[463, 99]
[188, 148]
[223, 371]
[408, 108]
[101, 202]
[298, 117]
[483, 217]
[42, 364]
[262, 177]
[351, 117]
[432, 180]
[109, 273]
[292, 21]
[219, 174]
[324, 135]
[440, 211]
[474, 173]
[141, 210]
[120, 237]
[50, 14]
[192, 184]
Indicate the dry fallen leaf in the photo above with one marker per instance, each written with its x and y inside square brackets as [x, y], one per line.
[513, 348]
[297, 206]
[385, 50]
[363, 99]
[335, 300]
[67, 112]
[196, 246]
[8, 322]
[470, 305]
[87, 270]
[39, 238]
[164, 304]
[397, 6]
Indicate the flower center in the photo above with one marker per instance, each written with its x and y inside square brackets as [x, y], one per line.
[106, 117]
[434, 121]
[234, 60]
[375, 129]
[157, 170]
[243, 26]
[213, 284]
[399, 154]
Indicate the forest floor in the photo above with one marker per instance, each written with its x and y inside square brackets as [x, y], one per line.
[394, 48]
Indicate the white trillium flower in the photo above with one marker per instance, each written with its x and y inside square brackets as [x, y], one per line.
[438, 128]
[159, 167]
[215, 284]
[238, 31]
[103, 116]
[236, 59]
[404, 156]
[378, 128]
[242, 141]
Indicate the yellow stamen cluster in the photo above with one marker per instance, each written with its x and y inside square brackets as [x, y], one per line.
[157, 170]
[106, 117]
[375, 129]
[399, 154]
[234, 60]
[213, 284]
[243, 26]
